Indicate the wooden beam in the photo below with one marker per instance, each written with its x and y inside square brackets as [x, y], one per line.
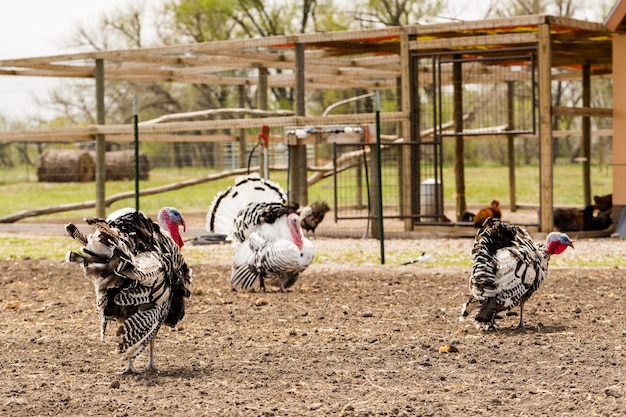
[616, 16]
[82, 133]
[569, 22]
[474, 41]
[584, 111]
[459, 27]
[284, 42]
[545, 130]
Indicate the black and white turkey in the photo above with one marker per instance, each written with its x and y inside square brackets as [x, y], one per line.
[140, 276]
[271, 248]
[508, 268]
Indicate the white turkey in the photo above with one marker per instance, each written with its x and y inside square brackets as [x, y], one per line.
[140, 276]
[271, 248]
[508, 268]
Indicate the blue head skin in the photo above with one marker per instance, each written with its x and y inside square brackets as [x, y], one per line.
[557, 242]
[170, 219]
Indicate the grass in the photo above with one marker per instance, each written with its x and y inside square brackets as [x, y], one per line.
[18, 248]
[446, 253]
[30, 195]
[482, 184]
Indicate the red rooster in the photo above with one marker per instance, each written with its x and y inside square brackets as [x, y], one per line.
[492, 211]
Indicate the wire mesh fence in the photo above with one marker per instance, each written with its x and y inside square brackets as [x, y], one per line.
[344, 175]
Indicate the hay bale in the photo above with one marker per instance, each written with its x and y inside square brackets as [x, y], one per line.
[120, 165]
[65, 165]
[75, 165]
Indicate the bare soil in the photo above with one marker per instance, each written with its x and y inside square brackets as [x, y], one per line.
[345, 341]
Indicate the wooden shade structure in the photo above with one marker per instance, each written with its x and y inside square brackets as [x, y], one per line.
[377, 59]
[616, 22]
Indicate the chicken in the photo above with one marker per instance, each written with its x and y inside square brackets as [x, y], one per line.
[508, 268]
[313, 215]
[270, 246]
[492, 211]
[140, 276]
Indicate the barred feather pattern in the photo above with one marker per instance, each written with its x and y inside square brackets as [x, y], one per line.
[269, 257]
[138, 330]
[270, 246]
[227, 204]
[256, 214]
[139, 274]
[508, 268]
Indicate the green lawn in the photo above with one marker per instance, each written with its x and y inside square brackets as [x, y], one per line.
[482, 185]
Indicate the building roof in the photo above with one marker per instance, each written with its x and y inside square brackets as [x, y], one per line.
[369, 59]
[615, 20]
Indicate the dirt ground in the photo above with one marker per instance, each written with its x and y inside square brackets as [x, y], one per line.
[345, 341]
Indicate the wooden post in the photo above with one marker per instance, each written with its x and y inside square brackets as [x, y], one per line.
[510, 96]
[262, 89]
[410, 184]
[459, 165]
[545, 130]
[586, 135]
[243, 154]
[297, 153]
[262, 104]
[101, 168]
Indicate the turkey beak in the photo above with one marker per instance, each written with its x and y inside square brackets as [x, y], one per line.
[571, 244]
[181, 222]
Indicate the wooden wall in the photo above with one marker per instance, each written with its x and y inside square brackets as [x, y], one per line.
[619, 125]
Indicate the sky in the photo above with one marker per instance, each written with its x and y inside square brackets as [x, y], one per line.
[31, 28]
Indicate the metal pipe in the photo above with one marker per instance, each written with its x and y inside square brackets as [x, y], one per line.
[136, 129]
[380, 182]
[348, 100]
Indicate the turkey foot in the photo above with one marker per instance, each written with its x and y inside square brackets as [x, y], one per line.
[130, 369]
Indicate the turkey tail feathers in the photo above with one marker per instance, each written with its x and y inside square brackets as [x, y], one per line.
[244, 276]
[468, 307]
[139, 329]
[227, 204]
[75, 234]
[495, 235]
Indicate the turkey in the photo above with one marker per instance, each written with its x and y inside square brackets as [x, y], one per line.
[140, 276]
[270, 247]
[313, 215]
[492, 211]
[508, 268]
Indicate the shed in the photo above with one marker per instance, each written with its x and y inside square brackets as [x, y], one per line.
[395, 59]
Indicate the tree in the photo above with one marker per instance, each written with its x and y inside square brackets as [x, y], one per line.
[189, 21]
[401, 12]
